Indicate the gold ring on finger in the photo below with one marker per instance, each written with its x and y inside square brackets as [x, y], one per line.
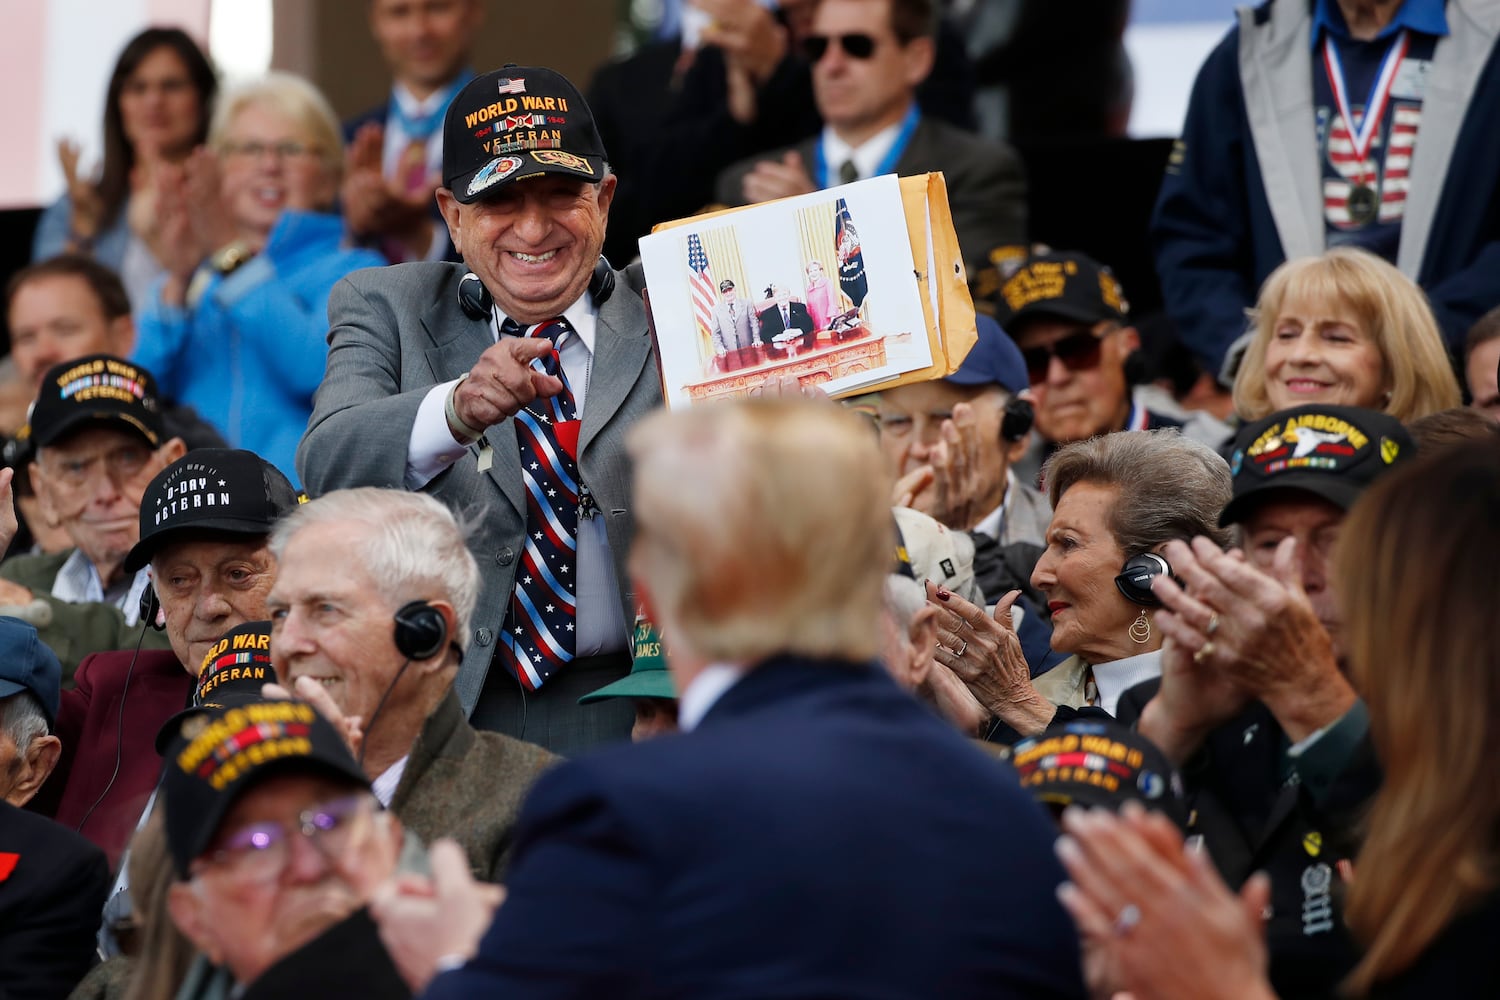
[1205, 652]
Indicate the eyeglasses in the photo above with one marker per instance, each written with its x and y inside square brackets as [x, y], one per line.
[855, 46]
[259, 852]
[121, 465]
[1078, 351]
[288, 150]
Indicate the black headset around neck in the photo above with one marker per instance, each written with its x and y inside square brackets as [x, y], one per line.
[476, 301]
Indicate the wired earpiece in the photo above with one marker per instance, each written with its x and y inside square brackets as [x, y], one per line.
[421, 630]
[150, 607]
[1135, 578]
[1018, 418]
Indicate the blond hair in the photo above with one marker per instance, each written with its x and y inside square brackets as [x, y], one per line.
[763, 527]
[1388, 304]
[1432, 682]
[290, 95]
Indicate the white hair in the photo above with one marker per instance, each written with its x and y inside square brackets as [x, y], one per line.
[414, 543]
[22, 719]
[904, 597]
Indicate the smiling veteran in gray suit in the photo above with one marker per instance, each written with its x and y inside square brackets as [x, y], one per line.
[506, 392]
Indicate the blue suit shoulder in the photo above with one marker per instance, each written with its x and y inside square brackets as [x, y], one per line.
[727, 861]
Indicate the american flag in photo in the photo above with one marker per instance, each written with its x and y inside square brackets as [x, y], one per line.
[701, 284]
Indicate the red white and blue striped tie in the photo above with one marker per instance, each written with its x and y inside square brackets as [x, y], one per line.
[540, 628]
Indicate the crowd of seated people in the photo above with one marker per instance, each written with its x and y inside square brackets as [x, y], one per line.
[368, 626]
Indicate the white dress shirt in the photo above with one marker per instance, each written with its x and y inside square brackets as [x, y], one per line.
[77, 582]
[432, 448]
[866, 156]
[396, 141]
[384, 786]
[704, 691]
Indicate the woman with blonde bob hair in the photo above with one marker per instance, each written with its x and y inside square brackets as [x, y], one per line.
[252, 247]
[1345, 328]
[1424, 897]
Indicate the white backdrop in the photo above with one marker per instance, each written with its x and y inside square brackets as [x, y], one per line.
[55, 61]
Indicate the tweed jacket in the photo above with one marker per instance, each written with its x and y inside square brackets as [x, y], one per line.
[397, 331]
[467, 785]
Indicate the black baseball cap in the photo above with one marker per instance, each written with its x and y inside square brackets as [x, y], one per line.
[211, 489]
[1066, 286]
[218, 753]
[1333, 452]
[95, 389]
[1098, 762]
[514, 123]
[233, 673]
[28, 664]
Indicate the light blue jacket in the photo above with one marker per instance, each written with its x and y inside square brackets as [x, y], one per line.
[250, 347]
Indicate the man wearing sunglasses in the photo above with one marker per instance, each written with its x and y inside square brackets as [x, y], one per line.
[868, 57]
[277, 842]
[1068, 315]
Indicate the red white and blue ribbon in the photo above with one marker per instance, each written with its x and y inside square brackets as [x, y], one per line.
[1361, 138]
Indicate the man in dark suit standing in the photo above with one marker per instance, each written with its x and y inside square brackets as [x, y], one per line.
[785, 320]
[813, 831]
[504, 387]
[395, 151]
[52, 887]
[868, 57]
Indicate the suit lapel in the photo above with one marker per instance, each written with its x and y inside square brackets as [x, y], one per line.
[457, 342]
[621, 350]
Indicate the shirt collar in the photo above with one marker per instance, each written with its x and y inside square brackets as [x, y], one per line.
[866, 156]
[1426, 16]
[704, 691]
[1116, 677]
[413, 106]
[582, 316]
[993, 523]
[385, 786]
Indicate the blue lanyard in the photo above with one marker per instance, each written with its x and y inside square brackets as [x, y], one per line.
[420, 127]
[886, 165]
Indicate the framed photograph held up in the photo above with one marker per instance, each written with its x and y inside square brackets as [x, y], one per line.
[850, 289]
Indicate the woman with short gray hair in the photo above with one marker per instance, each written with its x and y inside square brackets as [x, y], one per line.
[1117, 500]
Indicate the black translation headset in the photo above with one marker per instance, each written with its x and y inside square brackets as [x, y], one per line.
[1018, 419]
[1135, 579]
[421, 631]
[151, 607]
[475, 300]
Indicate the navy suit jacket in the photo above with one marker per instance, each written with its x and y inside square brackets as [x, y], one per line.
[771, 324]
[819, 834]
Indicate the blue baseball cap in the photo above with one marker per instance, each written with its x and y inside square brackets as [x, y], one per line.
[993, 360]
[27, 664]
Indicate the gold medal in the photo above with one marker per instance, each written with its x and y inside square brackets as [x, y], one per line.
[1363, 204]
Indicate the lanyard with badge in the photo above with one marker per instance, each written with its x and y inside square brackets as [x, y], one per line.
[1364, 201]
[887, 164]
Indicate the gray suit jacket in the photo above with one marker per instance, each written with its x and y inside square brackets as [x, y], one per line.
[986, 185]
[732, 334]
[397, 331]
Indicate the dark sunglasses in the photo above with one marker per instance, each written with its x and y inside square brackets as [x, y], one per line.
[1077, 351]
[856, 46]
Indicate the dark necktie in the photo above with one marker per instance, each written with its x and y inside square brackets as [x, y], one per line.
[540, 635]
[848, 172]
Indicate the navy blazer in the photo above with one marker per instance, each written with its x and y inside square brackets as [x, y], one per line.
[377, 116]
[820, 834]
